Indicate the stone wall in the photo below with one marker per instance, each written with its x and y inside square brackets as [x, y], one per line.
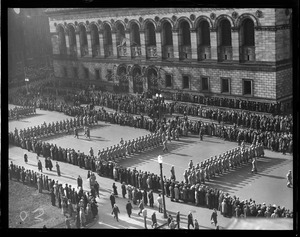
[284, 83]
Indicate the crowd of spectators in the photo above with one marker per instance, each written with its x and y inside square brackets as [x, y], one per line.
[76, 205]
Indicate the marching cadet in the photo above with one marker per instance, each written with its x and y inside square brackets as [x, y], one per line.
[75, 132]
[165, 148]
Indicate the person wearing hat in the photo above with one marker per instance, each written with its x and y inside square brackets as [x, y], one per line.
[190, 220]
[154, 220]
[129, 208]
[178, 220]
[115, 211]
[112, 200]
[213, 217]
[254, 165]
[57, 168]
[25, 157]
[196, 225]
[144, 212]
[141, 206]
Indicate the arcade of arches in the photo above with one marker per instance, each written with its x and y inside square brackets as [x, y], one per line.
[136, 79]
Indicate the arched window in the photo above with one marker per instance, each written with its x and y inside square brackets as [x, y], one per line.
[225, 33]
[123, 79]
[120, 33]
[152, 80]
[150, 34]
[107, 41]
[137, 80]
[247, 41]
[83, 41]
[184, 34]
[248, 33]
[95, 40]
[203, 34]
[72, 40]
[121, 71]
[62, 40]
[167, 38]
[135, 35]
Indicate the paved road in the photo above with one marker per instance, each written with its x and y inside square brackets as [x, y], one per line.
[268, 185]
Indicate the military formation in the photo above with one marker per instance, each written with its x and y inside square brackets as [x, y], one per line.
[18, 112]
[218, 165]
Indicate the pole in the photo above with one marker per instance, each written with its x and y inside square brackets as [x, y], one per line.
[27, 87]
[163, 190]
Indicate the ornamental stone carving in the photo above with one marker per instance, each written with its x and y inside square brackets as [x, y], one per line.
[174, 18]
[192, 17]
[259, 14]
[126, 20]
[212, 16]
[234, 15]
[157, 19]
[141, 19]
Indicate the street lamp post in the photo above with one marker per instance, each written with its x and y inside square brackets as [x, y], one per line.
[159, 159]
[26, 81]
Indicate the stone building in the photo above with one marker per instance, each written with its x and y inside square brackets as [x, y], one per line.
[243, 53]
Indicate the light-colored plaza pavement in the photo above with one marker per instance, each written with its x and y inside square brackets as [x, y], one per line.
[268, 186]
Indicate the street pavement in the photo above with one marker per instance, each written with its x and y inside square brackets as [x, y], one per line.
[268, 186]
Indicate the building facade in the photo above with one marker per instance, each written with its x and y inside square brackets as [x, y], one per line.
[29, 41]
[228, 52]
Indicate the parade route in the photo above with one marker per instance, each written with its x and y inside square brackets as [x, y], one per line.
[268, 185]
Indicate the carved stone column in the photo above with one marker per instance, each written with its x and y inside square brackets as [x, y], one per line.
[78, 44]
[114, 43]
[101, 44]
[235, 43]
[213, 44]
[158, 44]
[143, 46]
[89, 42]
[175, 34]
[194, 44]
[67, 43]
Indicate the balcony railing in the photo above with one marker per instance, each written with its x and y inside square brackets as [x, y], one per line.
[168, 51]
[185, 52]
[204, 52]
[247, 53]
[108, 50]
[122, 51]
[151, 52]
[96, 50]
[136, 51]
[84, 50]
[224, 53]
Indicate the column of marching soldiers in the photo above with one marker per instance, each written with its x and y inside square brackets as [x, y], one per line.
[22, 111]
